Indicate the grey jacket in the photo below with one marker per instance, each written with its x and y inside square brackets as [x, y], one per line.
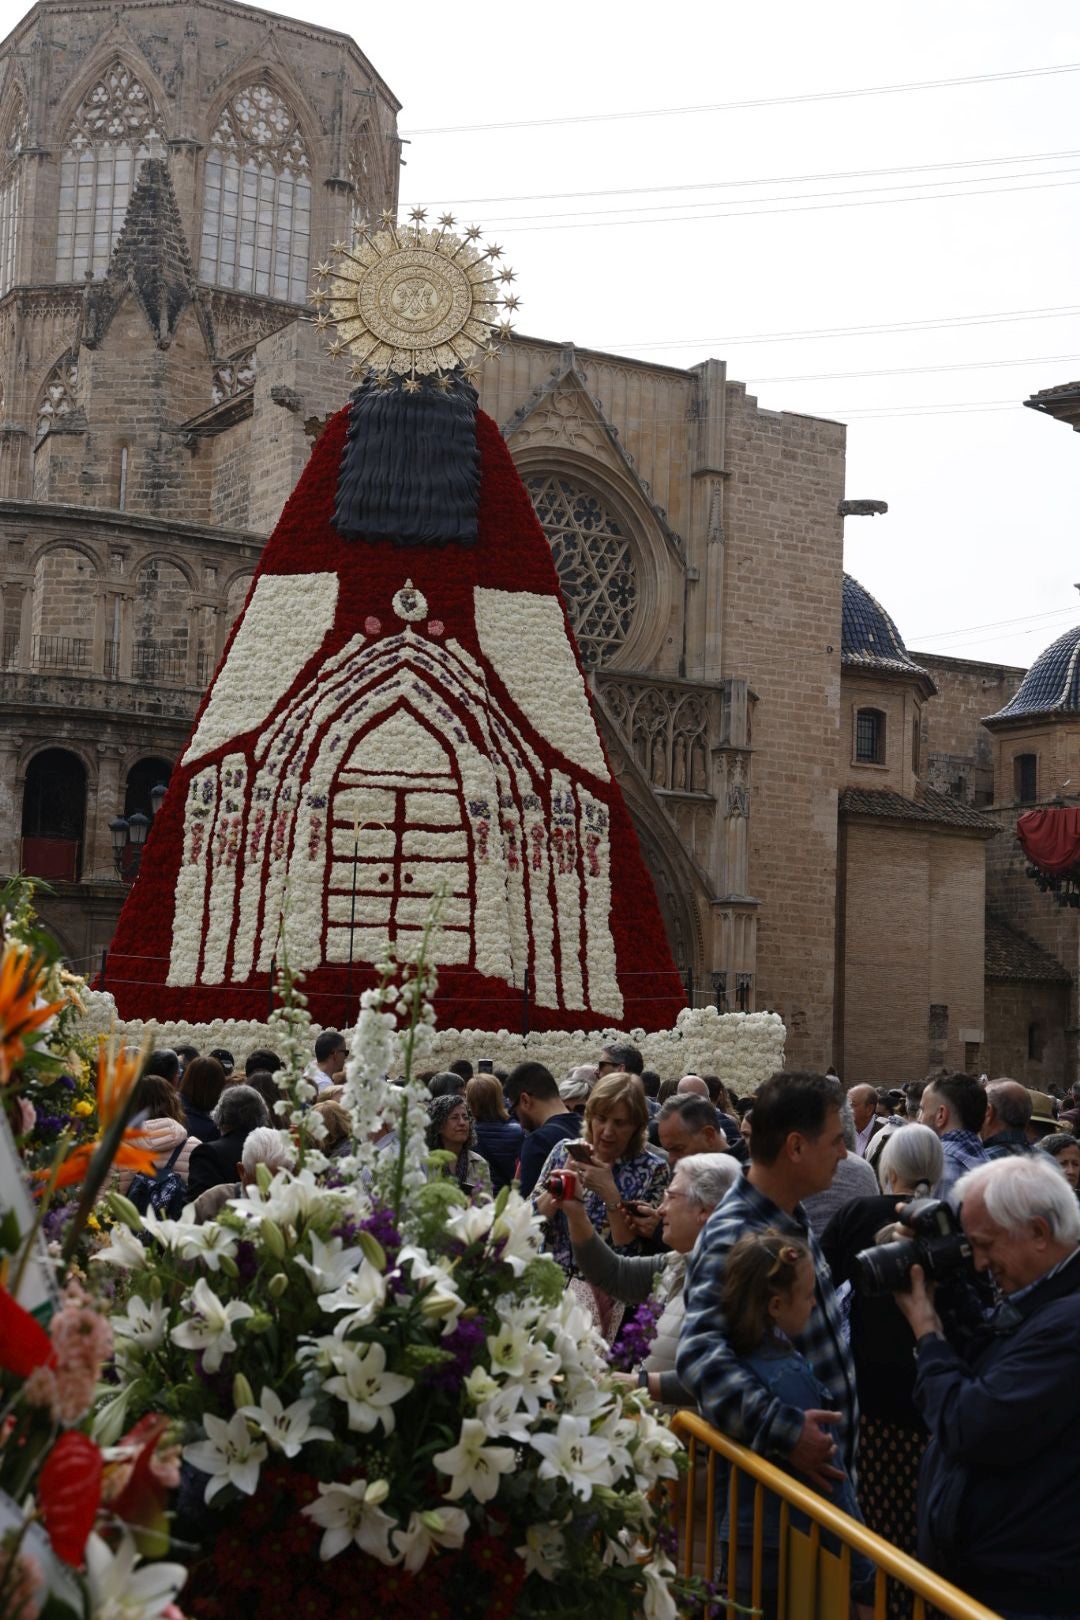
[632, 1278]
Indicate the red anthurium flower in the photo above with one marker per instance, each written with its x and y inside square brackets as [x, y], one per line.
[24, 1343]
[68, 1493]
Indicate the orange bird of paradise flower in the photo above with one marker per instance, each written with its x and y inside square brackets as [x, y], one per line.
[116, 1075]
[21, 978]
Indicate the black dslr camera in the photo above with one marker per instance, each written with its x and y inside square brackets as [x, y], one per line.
[938, 1245]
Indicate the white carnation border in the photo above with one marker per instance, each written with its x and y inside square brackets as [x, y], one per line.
[742, 1048]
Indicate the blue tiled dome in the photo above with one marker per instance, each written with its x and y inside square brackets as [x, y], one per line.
[1052, 684]
[870, 640]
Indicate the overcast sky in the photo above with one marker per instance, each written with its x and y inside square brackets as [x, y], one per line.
[977, 555]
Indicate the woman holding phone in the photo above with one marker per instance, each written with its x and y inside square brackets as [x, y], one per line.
[615, 1171]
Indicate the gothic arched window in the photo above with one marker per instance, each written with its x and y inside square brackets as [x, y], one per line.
[12, 146]
[115, 127]
[58, 395]
[256, 220]
[595, 563]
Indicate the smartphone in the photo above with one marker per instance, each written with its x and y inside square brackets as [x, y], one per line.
[580, 1152]
[485, 1065]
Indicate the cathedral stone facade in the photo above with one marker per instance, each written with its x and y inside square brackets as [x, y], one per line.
[813, 803]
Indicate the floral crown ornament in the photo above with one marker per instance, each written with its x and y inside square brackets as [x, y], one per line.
[410, 302]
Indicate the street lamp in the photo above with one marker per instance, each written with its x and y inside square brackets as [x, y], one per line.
[157, 797]
[132, 833]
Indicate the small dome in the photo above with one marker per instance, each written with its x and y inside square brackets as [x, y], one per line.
[1051, 685]
[870, 640]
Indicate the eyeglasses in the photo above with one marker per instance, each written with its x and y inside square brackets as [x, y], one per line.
[606, 1063]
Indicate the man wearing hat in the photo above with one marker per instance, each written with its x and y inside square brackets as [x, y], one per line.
[1043, 1120]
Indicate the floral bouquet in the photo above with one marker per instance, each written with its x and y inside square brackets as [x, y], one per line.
[387, 1397]
[75, 1519]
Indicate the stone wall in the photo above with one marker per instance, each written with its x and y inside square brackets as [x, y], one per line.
[1026, 1034]
[782, 541]
[957, 748]
[913, 952]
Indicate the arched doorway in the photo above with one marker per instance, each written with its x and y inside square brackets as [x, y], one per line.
[144, 776]
[54, 815]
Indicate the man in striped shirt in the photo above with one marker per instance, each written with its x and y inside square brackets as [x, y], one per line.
[796, 1142]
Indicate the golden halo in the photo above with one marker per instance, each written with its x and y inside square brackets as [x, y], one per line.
[408, 300]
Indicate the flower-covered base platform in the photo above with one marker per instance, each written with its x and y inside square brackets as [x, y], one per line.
[742, 1048]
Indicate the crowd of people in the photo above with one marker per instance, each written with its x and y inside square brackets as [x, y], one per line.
[730, 1252]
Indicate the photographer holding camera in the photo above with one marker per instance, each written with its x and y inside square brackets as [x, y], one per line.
[999, 1492]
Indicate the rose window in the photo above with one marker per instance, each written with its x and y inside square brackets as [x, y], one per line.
[594, 560]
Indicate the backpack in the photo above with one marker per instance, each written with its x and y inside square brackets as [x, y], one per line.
[165, 1193]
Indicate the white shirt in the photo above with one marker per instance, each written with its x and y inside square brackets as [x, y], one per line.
[862, 1138]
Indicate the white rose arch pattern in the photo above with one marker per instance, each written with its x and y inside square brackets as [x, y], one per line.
[595, 563]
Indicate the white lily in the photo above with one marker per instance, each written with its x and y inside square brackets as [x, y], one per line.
[169, 1233]
[437, 1527]
[143, 1322]
[480, 1386]
[363, 1292]
[123, 1249]
[331, 1264]
[658, 1601]
[470, 1224]
[119, 1590]
[441, 1298]
[507, 1350]
[348, 1513]
[367, 1388]
[208, 1242]
[520, 1231]
[231, 1455]
[539, 1367]
[503, 1414]
[286, 1427]
[574, 1455]
[473, 1465]
[544, 1551]
[209, 1328]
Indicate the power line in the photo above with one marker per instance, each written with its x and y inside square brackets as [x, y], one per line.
[811, 208]
[999, 624]
[522, 221]
[814, 334]
[758, 101]
[910, 371]
[765, 180]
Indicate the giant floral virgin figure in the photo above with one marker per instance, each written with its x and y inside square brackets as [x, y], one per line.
[400, 713]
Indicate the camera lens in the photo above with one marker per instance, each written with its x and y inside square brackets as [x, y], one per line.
[886, 1268]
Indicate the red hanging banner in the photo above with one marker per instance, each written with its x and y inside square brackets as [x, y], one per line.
[1051, 839]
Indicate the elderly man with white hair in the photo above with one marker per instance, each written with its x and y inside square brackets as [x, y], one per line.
[999, 1494]
[263, 1145]
[700, 1181]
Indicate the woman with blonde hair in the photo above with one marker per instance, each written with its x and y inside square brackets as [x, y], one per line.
[616, 1170]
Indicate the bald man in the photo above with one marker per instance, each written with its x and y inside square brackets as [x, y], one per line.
[691, 1085]
[864, 1101]
[1008, 1113]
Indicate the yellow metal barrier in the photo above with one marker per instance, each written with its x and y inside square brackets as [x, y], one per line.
[814, 1583]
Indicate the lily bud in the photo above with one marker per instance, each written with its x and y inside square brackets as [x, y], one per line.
[125, 1211]
[157, 1287]
[272, 1237]
[377, 1492]
[263, 1177]
[228, 1265]
[242, 1392]
[277, 1285]
[373, 1250]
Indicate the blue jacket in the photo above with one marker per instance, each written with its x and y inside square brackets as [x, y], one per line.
[999, 1491]
[499, 1141]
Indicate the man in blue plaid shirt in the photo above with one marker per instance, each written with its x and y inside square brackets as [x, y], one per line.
[796, 1142]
